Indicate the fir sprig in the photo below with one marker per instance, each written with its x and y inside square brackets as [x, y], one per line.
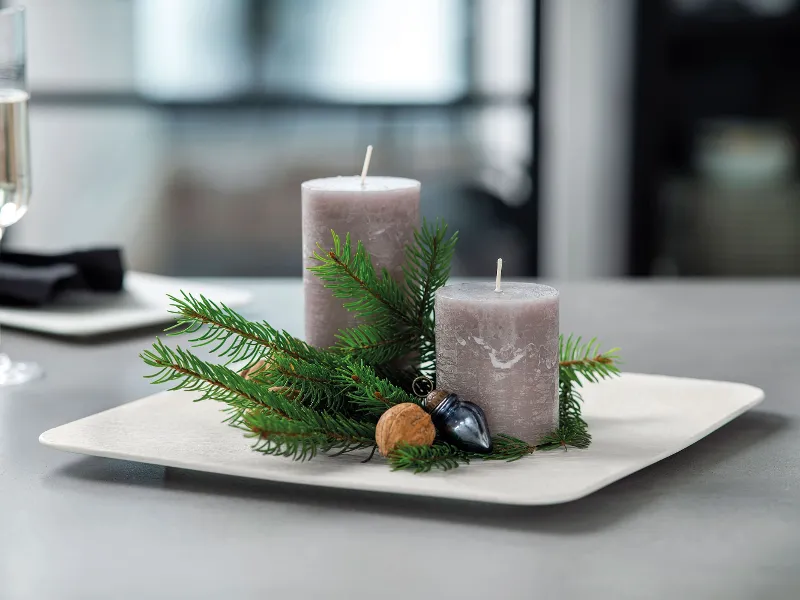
[281, 404]
[427, 269]
[301, 401]
[367, 392]
[422, 459]
[581, 362]
[226, 333]
[300, 430]
[443, 456]
[304, 439]
[397, 319]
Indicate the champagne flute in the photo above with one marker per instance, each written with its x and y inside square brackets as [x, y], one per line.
[15, 174]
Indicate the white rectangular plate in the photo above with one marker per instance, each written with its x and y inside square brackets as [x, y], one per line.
[635, 421]
[142, 303]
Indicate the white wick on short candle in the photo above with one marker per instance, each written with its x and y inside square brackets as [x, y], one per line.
[367, 158]
[499, 274]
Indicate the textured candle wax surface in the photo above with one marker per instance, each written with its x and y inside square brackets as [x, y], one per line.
[382, 214]
[500, 350]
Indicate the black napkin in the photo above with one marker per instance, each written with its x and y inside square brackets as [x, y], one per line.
[36, 279]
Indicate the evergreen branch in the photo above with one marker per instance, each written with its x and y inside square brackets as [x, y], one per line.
[508, 448]
[304, 440]
[352, 276]
[572, 430]
[443, 456]
[370, 394]
[185, 371]
[585, 362]
[298, 401]
[400, 317]
[232, 336]
[314, 384]
[422, 459]
[217, 382]
[377, 343]
[427, 268]
[300, 431]
[304, 371]
[566, 435]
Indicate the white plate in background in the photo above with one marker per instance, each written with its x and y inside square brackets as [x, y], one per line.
[142, 303]
[635, 421]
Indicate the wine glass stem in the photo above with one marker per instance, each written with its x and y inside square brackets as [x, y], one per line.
[3, 356]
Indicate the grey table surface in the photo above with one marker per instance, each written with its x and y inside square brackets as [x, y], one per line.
[718, 520]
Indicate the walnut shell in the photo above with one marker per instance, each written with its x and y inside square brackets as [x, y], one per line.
[259, 366]
[404, 423]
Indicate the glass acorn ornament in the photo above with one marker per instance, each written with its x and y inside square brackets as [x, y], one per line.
[459, 422]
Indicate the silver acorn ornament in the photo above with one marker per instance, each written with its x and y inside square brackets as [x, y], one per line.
[459, 422]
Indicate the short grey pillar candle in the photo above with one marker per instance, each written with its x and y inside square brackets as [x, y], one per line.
[499, 349]
[383, 213]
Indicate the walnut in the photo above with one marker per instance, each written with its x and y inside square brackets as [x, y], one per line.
[261, 365]
[404, 423]
[285, 391]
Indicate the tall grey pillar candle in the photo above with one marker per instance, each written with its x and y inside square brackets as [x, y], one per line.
[500, 351]
[383, 214]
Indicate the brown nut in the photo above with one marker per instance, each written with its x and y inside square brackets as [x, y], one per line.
[404, 423]
[259, 366]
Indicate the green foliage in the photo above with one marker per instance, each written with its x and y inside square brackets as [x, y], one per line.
[351, 276]
[508, 448]
[398, 318]
[185, 371]
[585, 362]
[443, 456]
[304, 439]
[300, 430]
[377, 343]
[422, 459]
[427, 269]
[299, 368]
[572, 430]
[229, 335]
[303, 401]
[370, 394]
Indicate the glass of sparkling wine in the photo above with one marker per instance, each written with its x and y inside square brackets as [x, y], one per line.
[15, 161]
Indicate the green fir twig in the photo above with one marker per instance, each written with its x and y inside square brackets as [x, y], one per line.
[585, 362]
[301, 401]
[397, 318]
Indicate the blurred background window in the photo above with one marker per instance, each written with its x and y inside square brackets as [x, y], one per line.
[715, 165]
[183, 128]
[574, 138]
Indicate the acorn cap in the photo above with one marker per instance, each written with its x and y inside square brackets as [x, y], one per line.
[434, 399]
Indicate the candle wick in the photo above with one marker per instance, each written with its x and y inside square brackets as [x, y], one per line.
[499, 275]
[364, 170]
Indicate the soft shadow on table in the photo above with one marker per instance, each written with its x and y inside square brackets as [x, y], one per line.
[594, 512]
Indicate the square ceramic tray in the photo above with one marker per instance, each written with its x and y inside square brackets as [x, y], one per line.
[635, 421]
[142, 303]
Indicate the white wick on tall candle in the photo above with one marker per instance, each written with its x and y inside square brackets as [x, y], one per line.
[364, 170]
[499, 275]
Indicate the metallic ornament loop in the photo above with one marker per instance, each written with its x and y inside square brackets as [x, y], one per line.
[422, 386]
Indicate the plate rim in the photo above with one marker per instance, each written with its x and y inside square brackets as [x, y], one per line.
[758, 396]
[242, 296]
